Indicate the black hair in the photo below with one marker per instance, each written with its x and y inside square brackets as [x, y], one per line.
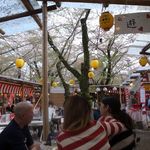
[115, 110]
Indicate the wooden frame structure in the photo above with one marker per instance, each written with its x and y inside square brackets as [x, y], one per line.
[120, 2]
[32, 12]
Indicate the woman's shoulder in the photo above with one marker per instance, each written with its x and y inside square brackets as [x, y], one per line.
[107, 118]
[92, 126]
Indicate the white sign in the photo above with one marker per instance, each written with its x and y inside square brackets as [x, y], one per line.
[132, 23]
[142, 95]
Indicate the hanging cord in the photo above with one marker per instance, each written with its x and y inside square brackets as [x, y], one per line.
[104, 6]
[97, 42]
[125, 8]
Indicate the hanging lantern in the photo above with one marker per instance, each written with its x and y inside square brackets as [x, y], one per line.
[91, 74]
[143, 61]
[104, 89]
[71, 82]
[106, 21]
[98, 89]
[114, 89]
[19, 63]
[54, 84]
[94, 63]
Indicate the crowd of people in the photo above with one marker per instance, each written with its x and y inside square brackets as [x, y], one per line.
[113, 129]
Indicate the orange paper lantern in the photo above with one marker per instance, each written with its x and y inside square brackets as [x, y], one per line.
[106, 21]
[94, 63]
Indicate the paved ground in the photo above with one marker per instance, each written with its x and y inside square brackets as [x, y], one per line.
[144, 143]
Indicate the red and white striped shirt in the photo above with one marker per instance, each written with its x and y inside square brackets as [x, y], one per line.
[92, 137]
[111, 125]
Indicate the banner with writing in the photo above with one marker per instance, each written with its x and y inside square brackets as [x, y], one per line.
[132, 23]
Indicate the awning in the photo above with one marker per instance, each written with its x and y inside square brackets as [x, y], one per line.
[16, 86]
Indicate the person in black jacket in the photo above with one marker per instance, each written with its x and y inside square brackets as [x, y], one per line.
[16, 135]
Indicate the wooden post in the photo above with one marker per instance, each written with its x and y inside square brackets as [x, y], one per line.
[45, 74]
[120, 94]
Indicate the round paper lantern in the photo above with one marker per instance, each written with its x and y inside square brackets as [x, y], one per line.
[104, 89]
[19, 63]
[143, 61]
[106, 21]
[54, 84]
[94, 63]
[71, 82]
[98, 89]
[91, 74]
[114, 89]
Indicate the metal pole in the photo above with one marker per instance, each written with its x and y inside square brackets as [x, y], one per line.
[45, 74]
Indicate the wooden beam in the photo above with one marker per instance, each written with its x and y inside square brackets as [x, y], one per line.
[143, 51]
[29, 7]
[2, 32]
[27, 13]
[120, 2]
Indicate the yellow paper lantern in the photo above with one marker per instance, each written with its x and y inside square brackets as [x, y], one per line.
[106, 21]
[94, 63]
[54, 84]
[91, 74]
[19, 63]
[71, 82]
[143, 61]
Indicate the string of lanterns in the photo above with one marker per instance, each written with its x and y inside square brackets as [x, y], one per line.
[55, 84]
[105, 89]
[106, 21]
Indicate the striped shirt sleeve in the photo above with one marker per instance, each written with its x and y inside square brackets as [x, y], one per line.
[93, 137]
[112, 126]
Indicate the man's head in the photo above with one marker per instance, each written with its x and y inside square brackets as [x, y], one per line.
[23, 113]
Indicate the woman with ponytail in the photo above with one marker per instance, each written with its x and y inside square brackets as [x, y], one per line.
[118, 124]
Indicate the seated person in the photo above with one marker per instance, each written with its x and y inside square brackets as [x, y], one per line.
[16, 135]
